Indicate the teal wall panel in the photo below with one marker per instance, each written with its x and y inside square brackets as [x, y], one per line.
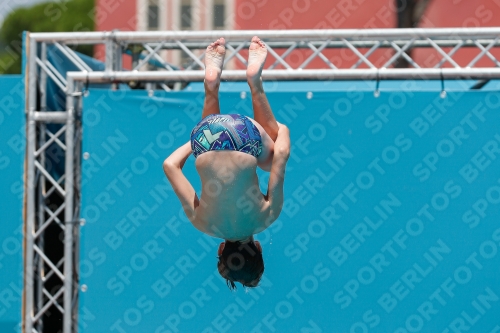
[390, 221]
[12, 143]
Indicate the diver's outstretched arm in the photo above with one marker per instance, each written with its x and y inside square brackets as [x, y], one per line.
[172, 167]
[277, 177]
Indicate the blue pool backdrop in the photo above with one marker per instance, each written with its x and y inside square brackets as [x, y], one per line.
[12, 148]
[390, 220]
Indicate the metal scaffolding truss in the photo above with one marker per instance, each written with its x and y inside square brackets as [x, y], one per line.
[52, 200]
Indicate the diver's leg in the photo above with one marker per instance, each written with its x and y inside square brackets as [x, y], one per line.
[214, 59]
[261, 109]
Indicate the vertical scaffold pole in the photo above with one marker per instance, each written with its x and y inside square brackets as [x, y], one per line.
[68, 210]
[30, 186]
[40, 273]
[110, 52]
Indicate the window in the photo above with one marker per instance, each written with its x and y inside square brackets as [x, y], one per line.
[219, 9]
[153, 15]
[186, 15]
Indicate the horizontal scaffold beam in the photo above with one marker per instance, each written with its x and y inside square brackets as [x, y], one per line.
[240, 75]
[371, 54]
[282, 35]
[53, 117]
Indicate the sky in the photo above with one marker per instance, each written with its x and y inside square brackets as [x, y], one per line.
[7, 6]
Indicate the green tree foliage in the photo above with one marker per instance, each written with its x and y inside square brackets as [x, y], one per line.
[55, 16]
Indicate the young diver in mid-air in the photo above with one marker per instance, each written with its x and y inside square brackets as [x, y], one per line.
[228, 148]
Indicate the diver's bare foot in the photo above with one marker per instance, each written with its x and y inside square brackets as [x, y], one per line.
[214, 59]
[256, 57]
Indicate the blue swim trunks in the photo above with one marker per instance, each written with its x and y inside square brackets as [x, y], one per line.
[226, 132]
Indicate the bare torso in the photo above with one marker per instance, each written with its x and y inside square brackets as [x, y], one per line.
[231, 204]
